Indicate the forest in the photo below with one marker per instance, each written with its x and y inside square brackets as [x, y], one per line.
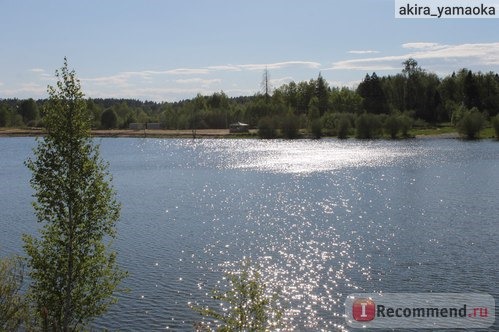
[387, 105]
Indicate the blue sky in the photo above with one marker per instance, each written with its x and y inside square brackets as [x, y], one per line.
[167, 50]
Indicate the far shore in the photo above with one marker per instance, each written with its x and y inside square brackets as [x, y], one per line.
[206, 133]
[168, 133]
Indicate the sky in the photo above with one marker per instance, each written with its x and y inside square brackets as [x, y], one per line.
[169, 50]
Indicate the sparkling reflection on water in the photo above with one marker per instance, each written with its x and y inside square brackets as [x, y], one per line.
[321, 219]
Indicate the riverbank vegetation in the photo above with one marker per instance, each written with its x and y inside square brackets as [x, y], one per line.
[393, 106]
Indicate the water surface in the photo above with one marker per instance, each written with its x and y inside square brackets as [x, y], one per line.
[322, 219]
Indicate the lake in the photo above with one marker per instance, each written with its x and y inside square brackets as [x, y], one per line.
[321, 218]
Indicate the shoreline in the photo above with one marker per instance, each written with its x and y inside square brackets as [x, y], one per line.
[172, 133]
[166, 133]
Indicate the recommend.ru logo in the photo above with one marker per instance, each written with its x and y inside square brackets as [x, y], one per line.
[420, 310]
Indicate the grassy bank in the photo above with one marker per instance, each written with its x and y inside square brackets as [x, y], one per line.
[206, 133]
[443, 132]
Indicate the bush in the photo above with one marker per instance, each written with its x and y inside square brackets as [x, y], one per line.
[470, 124]
[392, 126]
[290, 126]
[337, 124]
[342, 126]
[368, 126]
[266, 128]
[13, 307]
[495, 125]
[316, 128]
[246, 304]
[405, 124]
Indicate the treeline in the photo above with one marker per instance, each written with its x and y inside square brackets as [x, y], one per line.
[388, 104]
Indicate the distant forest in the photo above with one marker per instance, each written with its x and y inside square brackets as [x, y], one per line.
[415, 93]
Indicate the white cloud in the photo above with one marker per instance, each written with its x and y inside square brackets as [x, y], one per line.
[479, 54]
[198, 80]
[363, 52]
[280, 65]
[31, 89]
[166, 84]
[184, 71]
[383, 63]
[225, 68]
[37, 70]
[119, 80]
[421, 45]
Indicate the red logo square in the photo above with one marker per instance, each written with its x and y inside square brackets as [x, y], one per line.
[363, 310]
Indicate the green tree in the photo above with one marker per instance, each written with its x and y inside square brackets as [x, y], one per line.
[109, 119]
[471, 123]
[95, 111]
[29, 111]
[267, 128]
[374, 99]
[405, 124]
[313, 109]
[305, 91]
[4, 116]
[346, 101]
[72, 267]
[316, 128]
[367, 126]
[342, 125]
[290, 126]
[392, 126]
[471, 91]
[410, 67]
[495, 125]
[322, 94]
[246, 304]
[13, 307]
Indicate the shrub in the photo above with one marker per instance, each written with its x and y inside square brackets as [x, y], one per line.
[405, 124]
[316, 128]
[367, 126]
[470, 124]
[392, 126]
[328, 125]
[246, 304]
[13, 307]
[342, 126]
[495, 125]
[338, 124]
[266, 128]
[290, 126]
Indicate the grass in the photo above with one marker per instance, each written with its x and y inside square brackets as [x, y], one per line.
[487, 133]
[434, 131]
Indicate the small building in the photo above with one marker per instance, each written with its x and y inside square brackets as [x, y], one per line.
[238, 127]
